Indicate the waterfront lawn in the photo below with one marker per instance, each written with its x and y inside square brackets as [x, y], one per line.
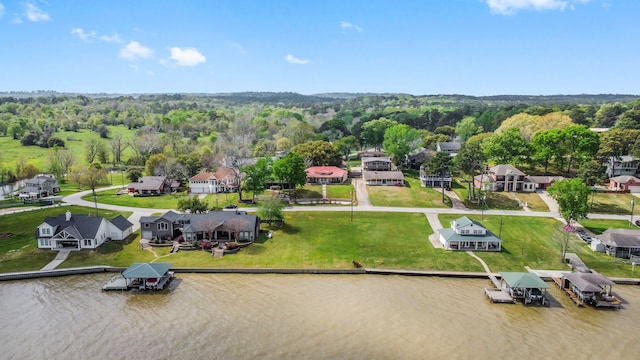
[311, 240]
[409, 195]
[535, 242]
[611, 203]
[18, 250]
[598, 226]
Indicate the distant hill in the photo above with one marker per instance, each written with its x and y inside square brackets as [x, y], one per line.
[296, 98]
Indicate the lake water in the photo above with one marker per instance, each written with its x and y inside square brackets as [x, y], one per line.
[231, 316]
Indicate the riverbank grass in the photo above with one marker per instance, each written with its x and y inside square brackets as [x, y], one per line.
[535, 242]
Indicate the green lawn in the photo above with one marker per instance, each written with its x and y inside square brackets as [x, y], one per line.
[534, 242]
[18, 248]
[12, 150]
[410, 195]
[333, 192]
[316, 240]
[612, 203]
[598, 226]
[533, 201]
[493, 201]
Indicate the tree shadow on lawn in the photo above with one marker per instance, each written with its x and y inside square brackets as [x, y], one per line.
[609, 209]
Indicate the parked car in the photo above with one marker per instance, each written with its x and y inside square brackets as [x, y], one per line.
[230, 207]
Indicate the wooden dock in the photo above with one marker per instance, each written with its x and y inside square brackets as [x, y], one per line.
[497, 295]
[569, 292]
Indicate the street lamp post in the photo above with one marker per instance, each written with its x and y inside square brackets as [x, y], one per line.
[632, 206]
[351, 193]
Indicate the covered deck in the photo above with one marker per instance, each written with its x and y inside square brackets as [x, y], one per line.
[590, 288]
[142, 276]
[526, 287]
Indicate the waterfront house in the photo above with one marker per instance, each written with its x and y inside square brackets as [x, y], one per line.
[622, 165]
[151, 185]
[221, 226]
[625, 183]
[434, 180]
[466, 234]
[503, 178]
[317, 175]
[223, 180]
[621, 243]
[380, 171]
[76, 232]
[590, 288]
[39, 186]
[524, 286]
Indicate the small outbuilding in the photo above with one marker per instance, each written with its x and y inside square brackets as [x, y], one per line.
[142, 276]
[591, 288]
[526, 287]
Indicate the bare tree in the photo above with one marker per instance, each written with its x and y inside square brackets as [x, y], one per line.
[118, 146]
[236, 146]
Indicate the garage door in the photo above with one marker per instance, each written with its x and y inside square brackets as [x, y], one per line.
[147, 235]
[634, 189]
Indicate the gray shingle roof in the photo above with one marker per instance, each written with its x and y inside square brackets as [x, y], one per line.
[82, 226]
[121, 222]
[590, 282]
[621, 237]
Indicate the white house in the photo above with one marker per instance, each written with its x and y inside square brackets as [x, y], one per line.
[466, 234]
[222, 181]
[623, 165]
[76, 232]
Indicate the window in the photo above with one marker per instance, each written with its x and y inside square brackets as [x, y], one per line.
[147, 225]
[163, 226]
[45, 242]
[88, 242]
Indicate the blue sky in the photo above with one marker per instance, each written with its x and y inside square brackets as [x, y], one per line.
[471, 47]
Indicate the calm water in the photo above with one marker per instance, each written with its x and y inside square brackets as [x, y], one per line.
[303, 317]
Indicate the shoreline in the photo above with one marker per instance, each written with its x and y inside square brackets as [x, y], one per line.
[37, 274]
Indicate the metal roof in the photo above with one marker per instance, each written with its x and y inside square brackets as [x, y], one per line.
[590, 282]
[524, 280]
[146, 270]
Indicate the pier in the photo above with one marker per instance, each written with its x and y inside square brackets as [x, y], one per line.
[497, 294]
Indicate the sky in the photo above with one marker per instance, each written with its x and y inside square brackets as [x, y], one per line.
[421, 47]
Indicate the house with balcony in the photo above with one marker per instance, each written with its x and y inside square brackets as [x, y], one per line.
[503, 178]
[466, 234]
[223, 180]
[623, 165]
[39, 186]
[434, 180]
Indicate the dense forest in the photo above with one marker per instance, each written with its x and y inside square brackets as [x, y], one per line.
[186, 133]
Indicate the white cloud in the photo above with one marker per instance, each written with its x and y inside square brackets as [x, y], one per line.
[82, 34]
[112, 39]
[508, 7]
[348, 25]
[1, 10]
[240, 48]
[35, 14]
[294, 60]
[187, 56]
[134, 51]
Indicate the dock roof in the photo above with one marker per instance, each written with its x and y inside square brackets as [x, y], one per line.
[590, 282]
[146, 270]
[524, 280]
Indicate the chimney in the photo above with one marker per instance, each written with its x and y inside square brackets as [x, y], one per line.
[68, 215]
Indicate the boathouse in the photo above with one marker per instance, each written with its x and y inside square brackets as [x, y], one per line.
[142, 276]
[591, 288]
[466, 234]
[524, 286]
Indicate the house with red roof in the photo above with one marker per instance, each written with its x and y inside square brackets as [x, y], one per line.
[319, 175]
[224, 180]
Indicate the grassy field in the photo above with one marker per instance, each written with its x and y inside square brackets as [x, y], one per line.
[18, 248]
[494, 200]
[333, 192]
[12, 150]
[612, 203]
[533, 201]
[410, 195]
[316, 240]
[535, 242]
[598, 226]
[167, 201]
